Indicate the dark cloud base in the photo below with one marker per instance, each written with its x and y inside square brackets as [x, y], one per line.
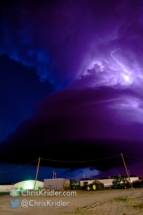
[94, 127]
[71, 150]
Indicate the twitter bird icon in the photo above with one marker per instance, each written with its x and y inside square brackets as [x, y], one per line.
[14, 204]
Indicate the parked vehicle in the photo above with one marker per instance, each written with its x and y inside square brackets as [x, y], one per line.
[138, 183]
[112, 182]
[86, 184]
[57, 183]
[74, 184]
[91, 184]
[121, 181]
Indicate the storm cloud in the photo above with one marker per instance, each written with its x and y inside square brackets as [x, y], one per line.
[61, 39]
[91, 51]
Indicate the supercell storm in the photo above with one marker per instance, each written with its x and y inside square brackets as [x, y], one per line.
[92, 52]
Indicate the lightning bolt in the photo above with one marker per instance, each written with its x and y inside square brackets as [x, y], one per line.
[128, 75]
[121, 65]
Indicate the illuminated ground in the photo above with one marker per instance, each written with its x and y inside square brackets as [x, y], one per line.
[107, 202]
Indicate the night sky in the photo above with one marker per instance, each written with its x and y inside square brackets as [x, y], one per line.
[71, 84]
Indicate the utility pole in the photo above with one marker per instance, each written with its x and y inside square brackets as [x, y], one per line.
[126, 169]
[37, 172]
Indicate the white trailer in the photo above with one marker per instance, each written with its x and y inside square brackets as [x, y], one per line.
[57, 184]
[108, 182]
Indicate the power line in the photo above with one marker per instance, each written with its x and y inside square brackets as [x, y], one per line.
[139, 158]
[81, 161]
[71, 161]
[18, 167]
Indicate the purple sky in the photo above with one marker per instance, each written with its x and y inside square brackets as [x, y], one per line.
[72, 77]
